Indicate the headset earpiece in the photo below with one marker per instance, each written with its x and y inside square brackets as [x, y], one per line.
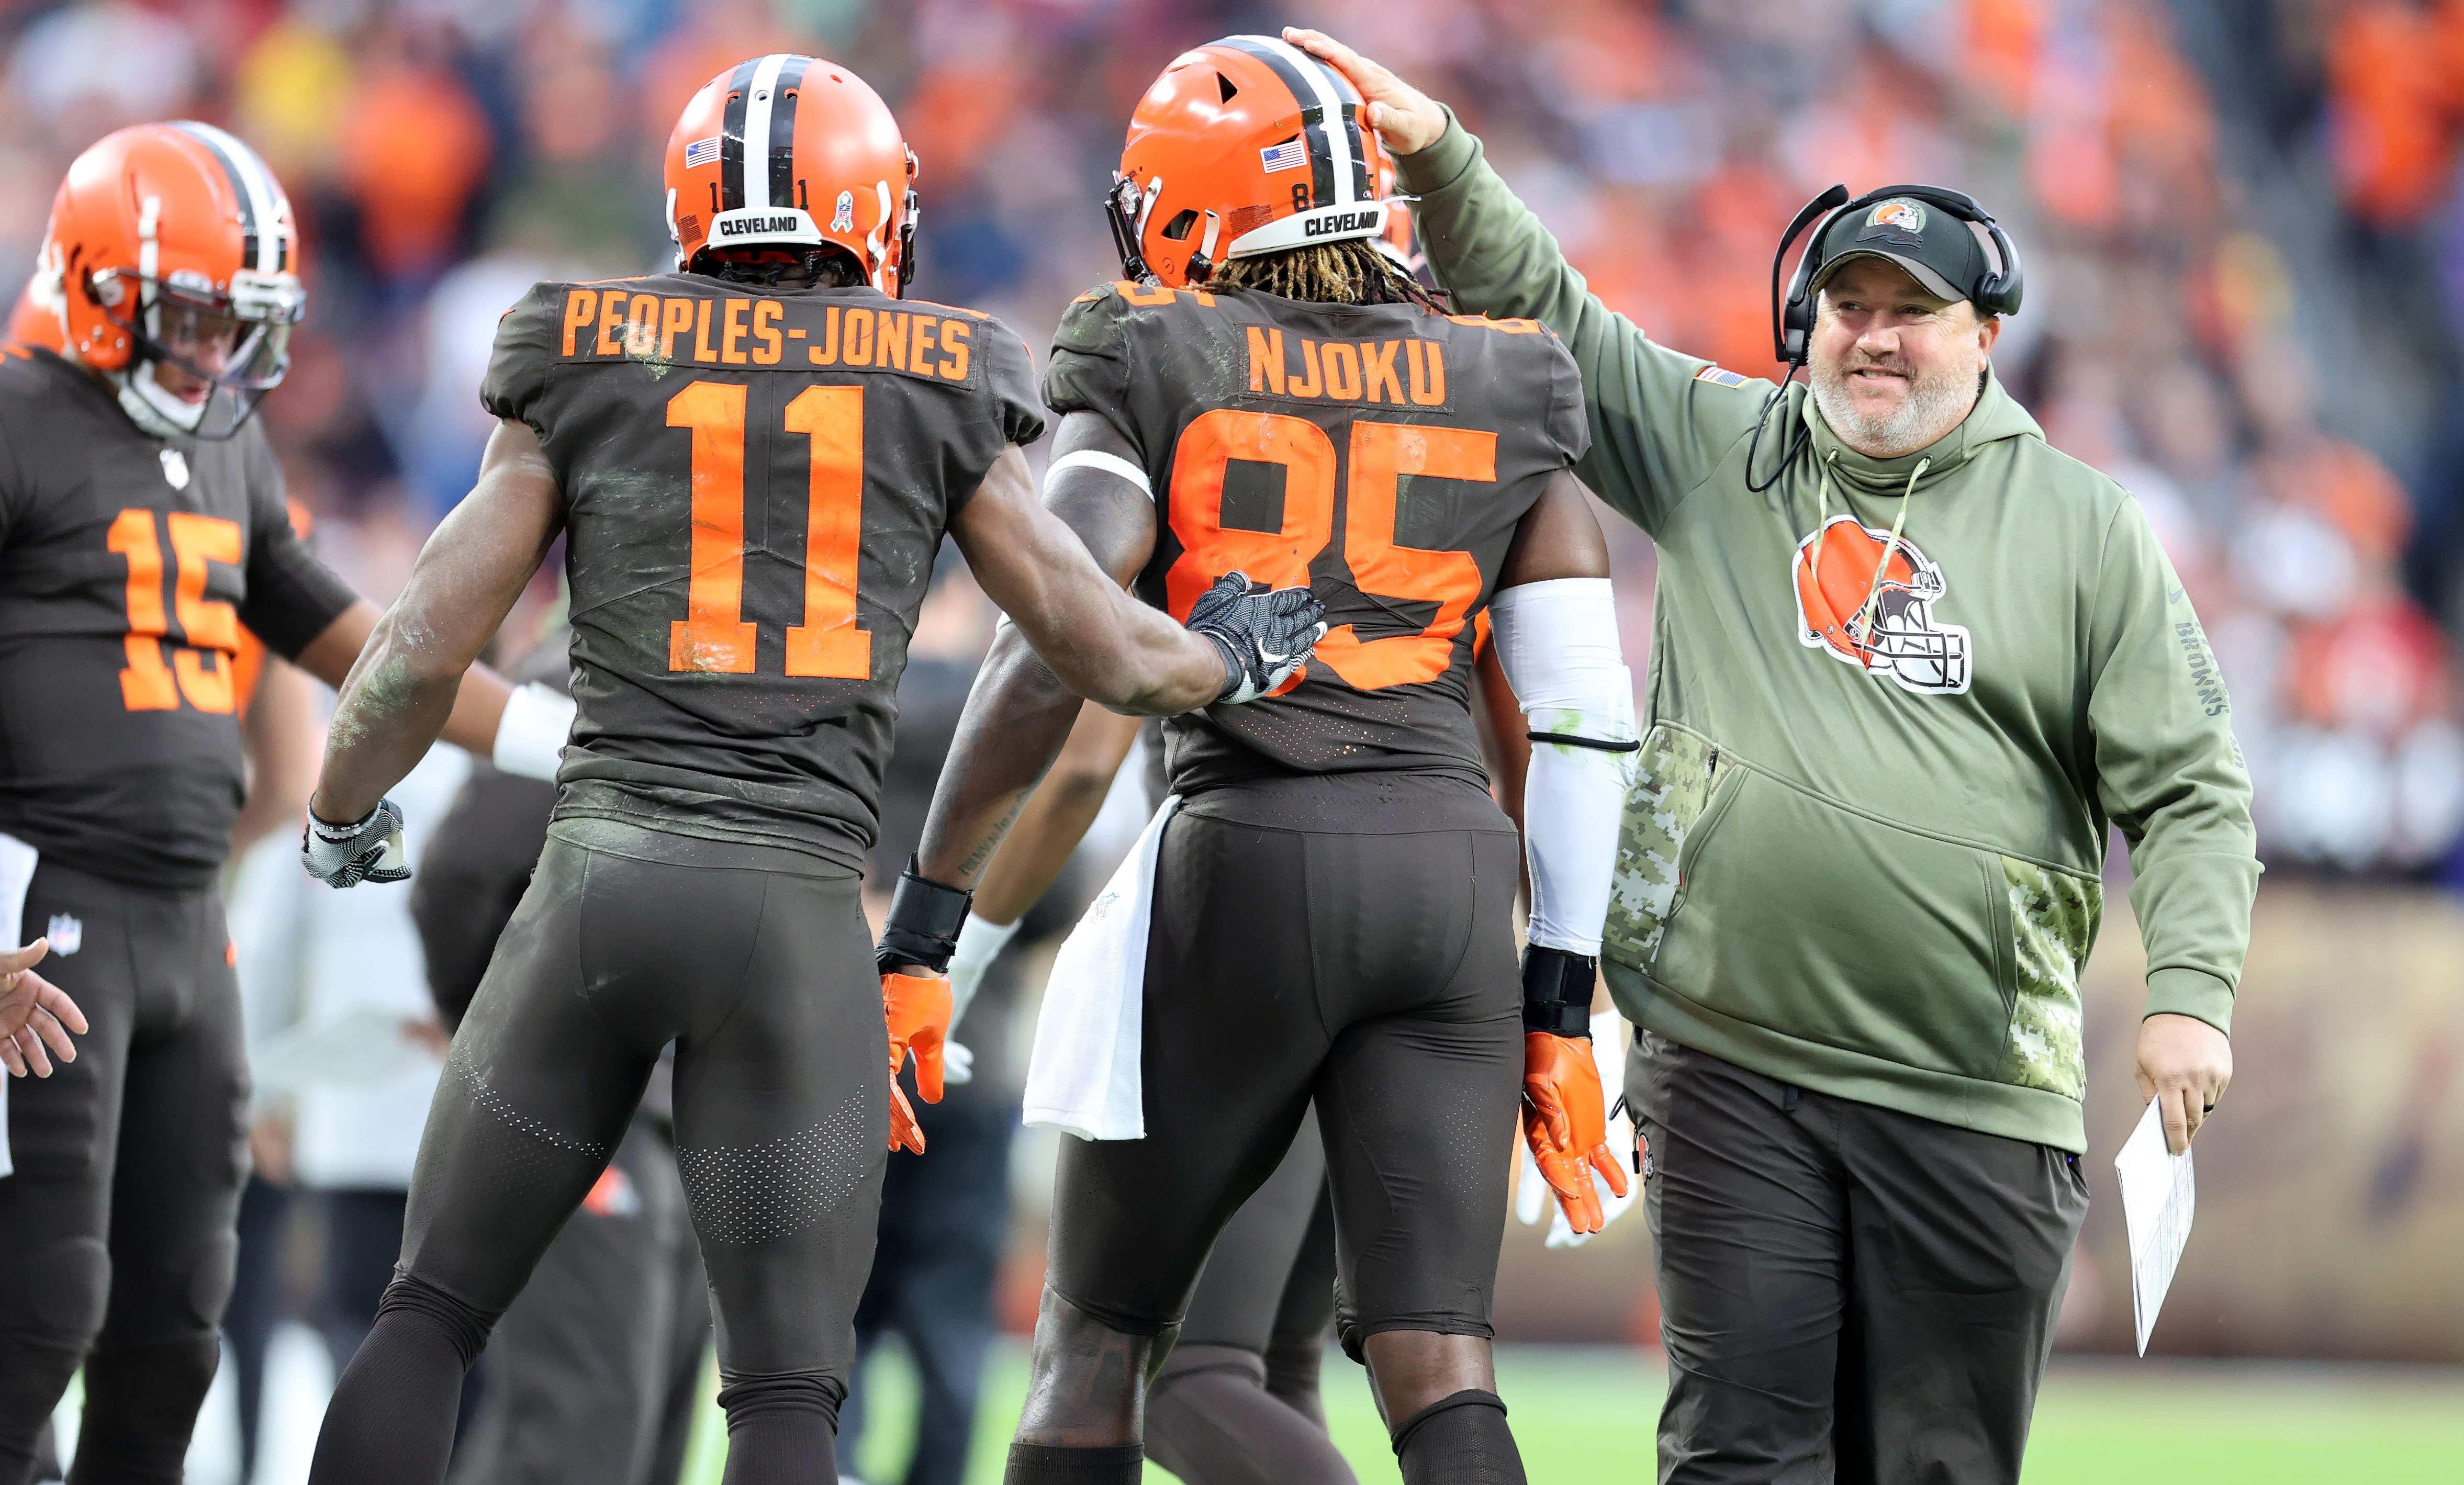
[1792, 322]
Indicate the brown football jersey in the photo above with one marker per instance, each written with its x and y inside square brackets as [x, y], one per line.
[755, 484]
[1383, 454]
[128, 566]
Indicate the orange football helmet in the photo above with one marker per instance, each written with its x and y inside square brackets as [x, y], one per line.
[34, 324]
[166, 236]
[1243, 146]
[766, 140]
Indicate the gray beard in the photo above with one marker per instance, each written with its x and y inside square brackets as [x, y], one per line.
[1932, 408]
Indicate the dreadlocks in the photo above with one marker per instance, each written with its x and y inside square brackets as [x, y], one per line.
[1351, 272]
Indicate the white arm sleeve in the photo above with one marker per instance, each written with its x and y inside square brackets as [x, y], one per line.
[532, 734]
[1557, 641]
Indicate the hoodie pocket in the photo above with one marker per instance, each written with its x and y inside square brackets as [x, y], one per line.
[1825, 925]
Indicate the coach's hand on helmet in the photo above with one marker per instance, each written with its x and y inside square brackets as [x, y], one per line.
[34, 1014]
[1407, 119]
[367, 849]
[1265, 634]
[1566, 1125]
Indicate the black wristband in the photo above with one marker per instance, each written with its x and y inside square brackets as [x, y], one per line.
[1604, 745]
[1557, 991]
[925, 918]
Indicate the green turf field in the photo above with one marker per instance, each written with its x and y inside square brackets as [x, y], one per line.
[1582, 1416]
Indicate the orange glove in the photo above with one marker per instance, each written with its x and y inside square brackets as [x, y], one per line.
[1566, 1125]
[916, 1010]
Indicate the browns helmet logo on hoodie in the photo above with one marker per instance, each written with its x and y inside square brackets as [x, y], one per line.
[1868, 599]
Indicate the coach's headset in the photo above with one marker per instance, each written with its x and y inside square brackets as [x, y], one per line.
[1996, 291]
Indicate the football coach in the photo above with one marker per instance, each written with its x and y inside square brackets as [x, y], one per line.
[1907, 662]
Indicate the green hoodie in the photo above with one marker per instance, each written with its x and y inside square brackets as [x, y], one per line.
[1870, 863]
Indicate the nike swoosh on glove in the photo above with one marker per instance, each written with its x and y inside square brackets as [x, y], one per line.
[1565, 1123]
[916, 1008]
[1265, 634]
[368, 849]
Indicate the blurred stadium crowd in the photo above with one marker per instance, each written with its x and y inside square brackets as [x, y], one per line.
[2241, 217]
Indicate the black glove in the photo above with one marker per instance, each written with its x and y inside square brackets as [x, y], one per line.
[366, 850]
[1265, 635]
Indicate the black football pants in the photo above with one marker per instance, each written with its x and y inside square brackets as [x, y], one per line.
[757, 964]
[1847, 1293]
[1372, 974]
[1236, 1402]
[593, 1373]
[117, 1233]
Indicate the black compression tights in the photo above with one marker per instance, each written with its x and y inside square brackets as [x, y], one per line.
[1211, 1421]
[392, 1418]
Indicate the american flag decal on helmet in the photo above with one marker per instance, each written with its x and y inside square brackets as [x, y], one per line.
[1290, 155]
[701, 152]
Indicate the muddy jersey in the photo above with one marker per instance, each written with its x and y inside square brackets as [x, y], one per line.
[756, 483]
[128, 566]
[1381, 453]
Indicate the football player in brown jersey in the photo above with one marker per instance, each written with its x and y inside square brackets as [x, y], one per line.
[1332, 913]
[753, 461]
[144, 537]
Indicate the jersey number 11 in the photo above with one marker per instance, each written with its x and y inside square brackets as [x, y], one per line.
[714, 636]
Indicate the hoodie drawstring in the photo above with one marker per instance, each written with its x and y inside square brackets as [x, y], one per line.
[1898, 523]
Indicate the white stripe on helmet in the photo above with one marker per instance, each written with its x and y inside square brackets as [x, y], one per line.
[756, 131]
[1338, 139]
[265, 199]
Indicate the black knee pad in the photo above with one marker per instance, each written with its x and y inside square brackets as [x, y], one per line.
[140, 1406]
[463, 1324]
[1045, 1464]
[782, 1429]
[1460, 1438]
[804, 1393]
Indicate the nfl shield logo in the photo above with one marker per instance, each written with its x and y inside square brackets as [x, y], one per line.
[66, 933]
[175, 468]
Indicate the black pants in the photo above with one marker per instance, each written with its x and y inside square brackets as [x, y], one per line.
[1847, 1293]
[117, 1227]
[944, 1216]
[255, 1305]
[1308, 960]
[593, 1371]
[1236, 1402]
[756, 963]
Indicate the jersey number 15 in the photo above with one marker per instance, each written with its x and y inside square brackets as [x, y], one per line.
[713, 636]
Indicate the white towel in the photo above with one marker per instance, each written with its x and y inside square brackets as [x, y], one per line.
[1084, 1075]
[16, 874]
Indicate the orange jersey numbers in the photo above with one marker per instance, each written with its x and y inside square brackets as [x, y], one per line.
[1254, 492]
[1383, 453]
[200, 668]
[713, 636]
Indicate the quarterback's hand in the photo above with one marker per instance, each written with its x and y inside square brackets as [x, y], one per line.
[1566, 1125]
[2184, 1064]
[368, 849]
[916, 1007]
[33, 1013]
[1406, 118]
[1265, 635]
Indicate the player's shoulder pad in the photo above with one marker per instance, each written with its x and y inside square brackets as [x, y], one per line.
[1099, 320]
